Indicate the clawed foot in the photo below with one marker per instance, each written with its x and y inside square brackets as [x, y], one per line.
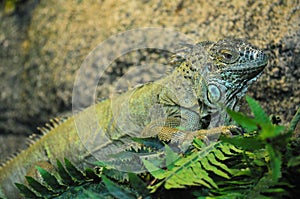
[206, 135]
[230, 130]
[184, 139]
[213, 134]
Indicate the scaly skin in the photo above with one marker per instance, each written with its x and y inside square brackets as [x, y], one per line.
[208, 78]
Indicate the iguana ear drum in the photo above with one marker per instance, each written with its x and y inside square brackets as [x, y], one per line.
[214, 93]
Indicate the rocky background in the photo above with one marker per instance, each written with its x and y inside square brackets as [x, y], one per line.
[43, 43]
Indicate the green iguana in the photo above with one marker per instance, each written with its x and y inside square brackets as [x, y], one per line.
[190, 102]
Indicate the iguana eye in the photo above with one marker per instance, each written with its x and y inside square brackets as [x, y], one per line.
[227, 56]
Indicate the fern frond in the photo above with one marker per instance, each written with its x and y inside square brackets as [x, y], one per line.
[294, 121]
[257, 110]
[52, 184]
[196, 168]
[118, 191]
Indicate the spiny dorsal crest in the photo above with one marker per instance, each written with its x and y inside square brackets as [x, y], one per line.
[189, 52]
[35, 137]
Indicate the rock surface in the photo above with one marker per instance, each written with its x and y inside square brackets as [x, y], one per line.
[43, 44]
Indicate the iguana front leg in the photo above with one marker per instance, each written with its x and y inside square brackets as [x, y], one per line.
[170, 130]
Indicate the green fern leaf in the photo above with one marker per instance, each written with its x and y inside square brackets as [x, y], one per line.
[182, 180]
[65, 176]
[245, 143]
[74, 172]
[294, 161]
[249, 124]
[116, 190]
[219, 155]
[138, 185]
[154, 170]
[50, 180]
[171, 156]
[294, 121]
[203, 177]
[269, 130]
[117, 175]
[38, 187]
[25, 191]
[209, 167]
[186, 171]
[275, 162]
[257, 110]
[212, 159]
[260, 187]
[228, 149]
[91, 174]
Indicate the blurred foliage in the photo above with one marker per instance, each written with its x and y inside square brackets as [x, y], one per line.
[9, 6]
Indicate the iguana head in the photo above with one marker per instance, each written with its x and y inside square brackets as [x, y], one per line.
[233, 65]
[235, 60]
[221, 72]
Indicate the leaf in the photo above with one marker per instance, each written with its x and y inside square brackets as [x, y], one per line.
[181, 181]
[245, 143]
[138, 185]
[86, 191]
[90, 173]
[294, 121]
[116, 190]
[294, 161]
[25, 191]
[65, 176]
[187, 171]
[154, 170]
[171, 156]
[203, 177]
[212, 160]
[198, 143]
[207, 166]
[73, 171]
[50, 180]
[275, 162]
[228, 149]
[38, 187]
[220, 155]
[270, 131]
[258, 111]
[249, 124]
[117, 175]
[263, 184]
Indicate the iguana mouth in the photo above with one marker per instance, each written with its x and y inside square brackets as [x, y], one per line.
[248, 69]
[254, 72]
[258, 68]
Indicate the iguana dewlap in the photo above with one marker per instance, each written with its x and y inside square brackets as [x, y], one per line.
[208, 78]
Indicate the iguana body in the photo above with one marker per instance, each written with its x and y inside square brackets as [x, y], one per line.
[208, 78]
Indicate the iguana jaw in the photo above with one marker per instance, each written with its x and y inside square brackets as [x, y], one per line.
[248, 71]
